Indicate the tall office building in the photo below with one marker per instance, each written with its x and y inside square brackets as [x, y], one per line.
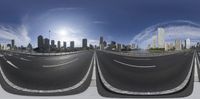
[104, 43]
[187, 43]
[40, 42]
[13, 43]
[71, 44]
[154, 42]
[46, 45]
[58, 45]
[101, 45]
[178, 45]
[64, 45]
[113, 45]
[161, 38]
[119, 47]
[84, 43]
[101, 40]
[53, 44]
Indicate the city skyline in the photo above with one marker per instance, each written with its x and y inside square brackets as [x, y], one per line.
[75, 20]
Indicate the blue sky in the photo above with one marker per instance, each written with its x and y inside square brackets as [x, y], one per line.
[118, 20]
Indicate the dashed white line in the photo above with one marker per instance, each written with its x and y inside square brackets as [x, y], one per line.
[24, 59]
[169, 91]
[61, 64]
[137, 58]
[48, 91]
[9, 62]
[136, 66]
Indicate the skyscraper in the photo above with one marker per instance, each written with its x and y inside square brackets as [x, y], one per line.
[46, 45]
[154, 42]
[52, 44]
[161, 41]
[58, 44]
[178, 45]
[13, 43]
[101, 45]
[40, 42]
[64, 45]
[187, 45]
[119, 47]
[104, 43]
[71, 44]
[84, 43]
[101, 40]
[113, 45]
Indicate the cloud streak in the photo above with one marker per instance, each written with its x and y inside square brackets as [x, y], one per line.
[18, 33]
[180, 29]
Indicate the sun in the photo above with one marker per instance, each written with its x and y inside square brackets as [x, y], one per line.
[62, 32]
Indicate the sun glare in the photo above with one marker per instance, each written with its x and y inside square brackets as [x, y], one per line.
[62, 32]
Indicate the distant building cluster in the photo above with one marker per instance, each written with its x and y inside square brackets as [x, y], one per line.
[113, 46]
[44, 45]
[158, 42]
[13, 47]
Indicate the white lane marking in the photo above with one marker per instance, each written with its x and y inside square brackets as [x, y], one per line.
[1, 55]
[24, 59]
[196, 70]
[9, 54]
[61, 63]
[9, 62]
[169, 91]
[48, 91]
[137, 58]
[136, 66]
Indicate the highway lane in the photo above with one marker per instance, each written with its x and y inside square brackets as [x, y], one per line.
[144, 75]
[47, 74]
[198, 62]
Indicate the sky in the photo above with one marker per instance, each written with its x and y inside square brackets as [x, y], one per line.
[116, 20]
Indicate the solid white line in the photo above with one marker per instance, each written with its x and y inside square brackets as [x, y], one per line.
[196, 71]
[47, 91]
[136, 66]
[9, 62]
[136, 58]
[61, 64]
[169, 91]
[24, 59]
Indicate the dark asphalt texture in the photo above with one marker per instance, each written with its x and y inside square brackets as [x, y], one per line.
[170, 71]
[32, 75]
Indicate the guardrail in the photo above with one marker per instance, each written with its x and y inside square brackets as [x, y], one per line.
[145, 54]
[42, 54]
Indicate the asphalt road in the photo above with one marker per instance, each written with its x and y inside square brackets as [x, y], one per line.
[198, 62]
[144, 75]
[46, 74]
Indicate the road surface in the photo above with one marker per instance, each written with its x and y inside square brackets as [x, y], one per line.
[144, 76]
[46, 75]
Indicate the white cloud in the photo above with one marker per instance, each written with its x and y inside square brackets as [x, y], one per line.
[93, 42]
[179, 29]
[19, 34]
